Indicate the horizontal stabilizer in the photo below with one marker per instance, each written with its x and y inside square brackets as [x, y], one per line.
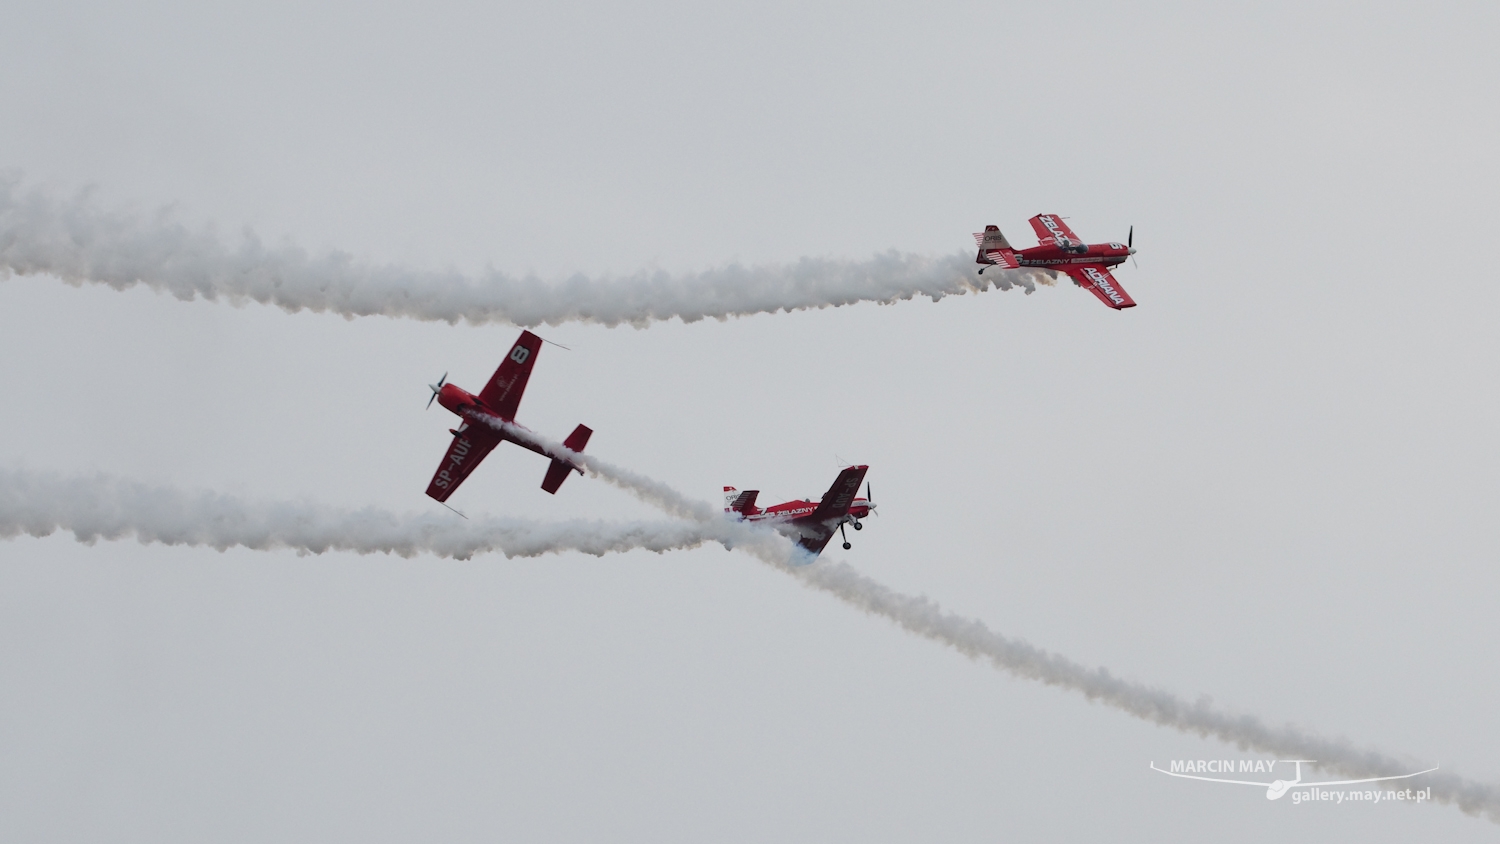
[744, 502]
[995, 249]
[578, 439]
[556, 474]
[558, 471]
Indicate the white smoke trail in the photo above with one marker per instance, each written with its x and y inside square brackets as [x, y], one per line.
[78, 242]
[762, 541]
[974, 639]
[653, 492]
[104, 507]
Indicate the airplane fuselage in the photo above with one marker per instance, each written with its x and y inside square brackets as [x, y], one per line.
[791, 511]
[469, 408]
[1106, 254]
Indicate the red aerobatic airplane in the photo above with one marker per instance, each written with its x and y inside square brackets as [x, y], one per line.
[497, 402]
[811, 524]
[1087, 264]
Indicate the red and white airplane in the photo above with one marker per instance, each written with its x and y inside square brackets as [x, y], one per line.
[476, 436]
[810, 524]
[1059, 249]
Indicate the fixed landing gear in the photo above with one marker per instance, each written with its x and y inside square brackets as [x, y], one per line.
[858, 526]
[847, 546]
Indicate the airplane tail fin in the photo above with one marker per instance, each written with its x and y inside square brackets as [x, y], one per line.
[558, 471]
[740, 502]
[995, 249]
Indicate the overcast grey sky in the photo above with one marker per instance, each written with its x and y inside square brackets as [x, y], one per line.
[1273, 483]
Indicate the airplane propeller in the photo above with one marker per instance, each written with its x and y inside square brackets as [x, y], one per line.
[1130, 244]
[870, 497]
[436, 388]
[869, 512]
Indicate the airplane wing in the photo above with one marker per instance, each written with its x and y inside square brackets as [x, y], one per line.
[503, 392]
[1369, 779]
[818, 528]
[1209, 779]
[1052, 231]
[1097, 280]
[470, 445]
